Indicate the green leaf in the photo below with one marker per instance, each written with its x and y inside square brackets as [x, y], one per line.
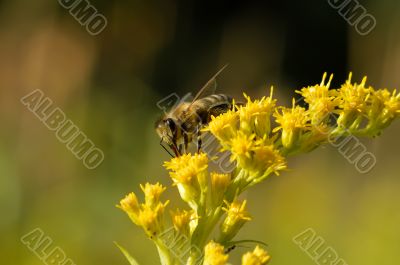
[128, 256]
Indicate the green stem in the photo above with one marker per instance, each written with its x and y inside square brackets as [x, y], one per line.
[164, 253]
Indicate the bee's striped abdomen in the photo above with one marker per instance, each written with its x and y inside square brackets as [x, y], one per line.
[213, 105]
[216, 99]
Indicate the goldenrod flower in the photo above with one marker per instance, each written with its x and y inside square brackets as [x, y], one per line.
[224, 126]
[293, 122]
[241, 147]
[152, 193]
[148, 215]
[151, 219]
[181, 220]
[257, 151]
[178, 163]
[257, 257]
[266, 159]
[392, 106]
[354, 103]
[385, 107]
[219, 184]
[214, 254]
[236, 217]
[131, 206]
[322, 101]
[189, 173]
[258, 156]
[255, 115]
[317, 135]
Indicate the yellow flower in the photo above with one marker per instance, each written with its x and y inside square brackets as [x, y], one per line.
[152, 193]
[219, 184]
[178, 162]
[131, 206]
[181, 220]
[255, 115]
[293, 122]
[257, 257]
[321, 101]
[392, 106]
[378, 100]
[354, 96]
[385, 106]
[241, 147]
[189, 173]
[257, 152]
[214, 254]
[317, 135]
[224, 126]
[354, 102]
[151, 219]
[236, 217]
[259, 157]
[148, 215]
[266, 159]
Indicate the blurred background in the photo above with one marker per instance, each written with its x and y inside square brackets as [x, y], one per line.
[109, 84]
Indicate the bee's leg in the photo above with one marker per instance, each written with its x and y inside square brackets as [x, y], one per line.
[175, 148]
[186, 142]
[199, 141]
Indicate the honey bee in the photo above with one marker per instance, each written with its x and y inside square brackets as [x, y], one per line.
[178, 126]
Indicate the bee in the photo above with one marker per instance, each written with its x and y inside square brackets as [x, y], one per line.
[178, 127]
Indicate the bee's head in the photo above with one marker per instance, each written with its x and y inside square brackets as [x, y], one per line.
[166, 128]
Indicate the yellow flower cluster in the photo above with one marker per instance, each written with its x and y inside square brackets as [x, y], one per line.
[235, 219]
[259, 135]
[189, 173]
[148, 215]
[246, 133]
[364, 110]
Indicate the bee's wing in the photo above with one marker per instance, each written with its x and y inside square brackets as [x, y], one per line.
[209, 88]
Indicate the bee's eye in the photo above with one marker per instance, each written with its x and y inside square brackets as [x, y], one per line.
[171, 124]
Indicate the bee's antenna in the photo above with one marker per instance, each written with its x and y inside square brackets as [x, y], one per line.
[161, 143]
